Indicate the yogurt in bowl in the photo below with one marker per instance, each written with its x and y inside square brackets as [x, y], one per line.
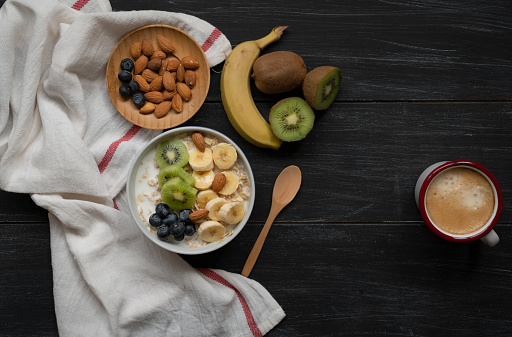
[143, 190]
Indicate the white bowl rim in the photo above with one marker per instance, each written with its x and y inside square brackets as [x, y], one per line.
[179, 248]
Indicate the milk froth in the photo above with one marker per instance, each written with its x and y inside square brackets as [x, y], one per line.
[460, 201]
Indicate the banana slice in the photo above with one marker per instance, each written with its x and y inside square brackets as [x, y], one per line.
[204, 179]
[232, 213]
[213, 206]
[224, 156]
[231, 183]
[201, 161]
[211, 231]
[203, 197]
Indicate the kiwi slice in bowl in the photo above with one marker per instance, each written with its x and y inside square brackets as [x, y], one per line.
[169, 172]
[171, 152]
[178, 195]
[291, 119]
[320, 86]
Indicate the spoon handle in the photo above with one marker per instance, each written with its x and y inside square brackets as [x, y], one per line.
[255, 252]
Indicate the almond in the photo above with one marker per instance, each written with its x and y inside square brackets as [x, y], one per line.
[184, 91]
[177, 103]
[154, 97]
[143, 84]
[169, 82]
[190, 78]
[135, 50]
[158, 54]
[149, 75]
[173, 65]
[147, 47]
[189, 62]
[156, 85]
[140, 64]
[168, 95]
[218, 182]
[162, 109]
[165, 44]
[198, 141]
[163, 68]
[180, 73]
[147, 108]
[155, 64]
[198, 215]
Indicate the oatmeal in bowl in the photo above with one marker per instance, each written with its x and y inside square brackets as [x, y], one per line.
[191, 190]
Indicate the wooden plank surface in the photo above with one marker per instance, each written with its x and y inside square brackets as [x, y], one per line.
[423, 81]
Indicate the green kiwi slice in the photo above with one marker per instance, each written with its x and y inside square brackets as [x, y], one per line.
[178, 195]
[320, 86]
[169, 172]
[291, 119]
[171, 152]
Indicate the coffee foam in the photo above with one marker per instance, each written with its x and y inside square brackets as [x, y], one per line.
[460, 201]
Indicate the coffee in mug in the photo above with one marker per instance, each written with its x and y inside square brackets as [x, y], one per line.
[460, 201]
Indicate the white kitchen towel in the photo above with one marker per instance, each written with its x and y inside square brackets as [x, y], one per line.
[62, 141]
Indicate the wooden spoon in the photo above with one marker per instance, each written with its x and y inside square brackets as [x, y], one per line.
[286, 187]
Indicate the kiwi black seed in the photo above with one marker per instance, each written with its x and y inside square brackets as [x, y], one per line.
[171, 152]
[178, 194]
[291, 119]
[169, 172]
[321, 86]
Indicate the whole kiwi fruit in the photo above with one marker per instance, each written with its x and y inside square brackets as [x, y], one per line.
[278, 72]
[321, 86]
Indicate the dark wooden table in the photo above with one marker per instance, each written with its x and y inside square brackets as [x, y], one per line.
[423, 81]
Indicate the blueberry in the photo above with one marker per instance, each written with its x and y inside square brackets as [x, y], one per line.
[179, 237]
[163, 232]
[127, 64]
[190, 229]
[155, 220]
[178, 228]
[162, 210]
[184, 215]
[139, 100]
[124, 90]
[170, 219]
[124, 76]
[134, 86]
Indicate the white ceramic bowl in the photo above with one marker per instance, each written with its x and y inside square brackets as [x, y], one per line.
[136, 184]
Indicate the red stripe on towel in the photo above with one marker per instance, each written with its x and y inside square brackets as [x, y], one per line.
[79, 4]
[211, 39]
[113, 147]
[247, 311]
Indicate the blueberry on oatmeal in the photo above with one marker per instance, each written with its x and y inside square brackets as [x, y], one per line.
[178, 228]
[190, 229]
[184, 214]
[155, 220]
[163, 232]
[170, 219]
[162, 210]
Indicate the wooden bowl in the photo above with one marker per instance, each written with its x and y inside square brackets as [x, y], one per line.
[185, 45]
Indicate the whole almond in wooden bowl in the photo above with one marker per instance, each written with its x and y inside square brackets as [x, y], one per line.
[178, 47]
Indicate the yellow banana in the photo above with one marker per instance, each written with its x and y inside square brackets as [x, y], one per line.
[236, 93]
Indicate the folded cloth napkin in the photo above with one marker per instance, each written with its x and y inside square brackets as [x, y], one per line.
[63, 142]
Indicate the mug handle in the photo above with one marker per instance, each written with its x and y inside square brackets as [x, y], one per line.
[491, 239]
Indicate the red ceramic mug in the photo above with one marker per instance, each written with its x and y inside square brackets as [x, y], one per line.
[460, 201]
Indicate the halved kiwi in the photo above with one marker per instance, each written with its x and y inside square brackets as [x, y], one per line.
[320, 86]
[178, 195]
[291, 119]
[169, 172]
[171, 152]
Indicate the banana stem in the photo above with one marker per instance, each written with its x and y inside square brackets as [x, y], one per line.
[274, 35]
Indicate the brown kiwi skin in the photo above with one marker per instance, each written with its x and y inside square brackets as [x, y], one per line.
[311, 82]
[279, 72]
